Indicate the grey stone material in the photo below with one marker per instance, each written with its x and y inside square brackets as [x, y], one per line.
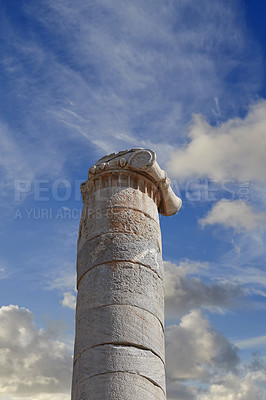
[122, 324]
[122, 283]
[120, 247]
[99, 199]
[111, 358]
[118, 386]
[117, 220]
[119, 342]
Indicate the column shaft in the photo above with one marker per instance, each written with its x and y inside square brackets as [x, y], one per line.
[119, 345]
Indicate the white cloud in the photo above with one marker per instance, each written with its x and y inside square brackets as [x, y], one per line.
[178, 390]
[202, 364]
[69, 300]
[3, 268]
[21, 163]
[63, 279]
[258, 342]
[116, 75]
[34, 364]
[50, 396]
[12, 160]
[251, 386]
[58, 270]
[243, 262]
[13, 164]
[232, 150]
[184, 292]
[137, 68]
[236, 214]
[195, 351]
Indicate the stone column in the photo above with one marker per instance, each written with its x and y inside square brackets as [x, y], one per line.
[119, 344]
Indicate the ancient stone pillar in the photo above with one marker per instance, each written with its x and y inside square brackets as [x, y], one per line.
[119, 344]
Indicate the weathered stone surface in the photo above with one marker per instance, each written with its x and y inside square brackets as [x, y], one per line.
[117, 386]
[110, 358]
[119, 220]
[144, 162]
[122, 283]
[119, 346]
[124, 197]
[119, 247]
[118, 324]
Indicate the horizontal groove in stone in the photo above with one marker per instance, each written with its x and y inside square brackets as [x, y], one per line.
[119, 207]
[138, 238]
[131, 305]
[113, 233]
[122, 344]
[123, 372]
[122, 323]
[118, 261]
[128, 199]
[110, 358]
[118, 386]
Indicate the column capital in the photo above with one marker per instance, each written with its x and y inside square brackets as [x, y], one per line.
[142, 161]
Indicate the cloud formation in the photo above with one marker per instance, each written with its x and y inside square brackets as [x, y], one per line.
[258, 342]
[233, 150]
[194, 350]
[95, 77]
[34, 364]
[236, 214]
[251, 386]
[184, 292]
[202, 364]
[116, 74]
[69, 300]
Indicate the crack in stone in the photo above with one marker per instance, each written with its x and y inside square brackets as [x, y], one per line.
[125, 372]
[119, 344]
[130, 305]
[114, 233]
[114, 262]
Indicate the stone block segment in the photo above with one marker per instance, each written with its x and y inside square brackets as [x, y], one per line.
[122, 283]
[122, 324]
[108, 386]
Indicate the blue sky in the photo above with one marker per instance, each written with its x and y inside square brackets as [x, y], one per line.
[187, 79]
